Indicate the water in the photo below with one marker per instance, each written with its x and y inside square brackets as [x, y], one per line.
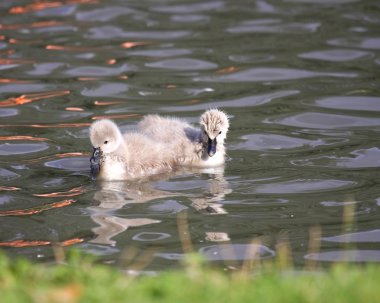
[299, 80]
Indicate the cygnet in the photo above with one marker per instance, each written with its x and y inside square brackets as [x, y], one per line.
[197, 147]
[125, 157]
[160, 145]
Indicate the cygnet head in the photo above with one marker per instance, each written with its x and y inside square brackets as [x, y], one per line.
[214, 124]
[105, 136]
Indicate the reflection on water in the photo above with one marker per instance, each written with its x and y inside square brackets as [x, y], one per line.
[236, 252]
[351, 103]
[272, 74]
[336, 55]
[347, 255]
[298, 79]
[113, 196]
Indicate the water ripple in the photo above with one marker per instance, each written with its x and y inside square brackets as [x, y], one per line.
[111, 32]
[272, 74]
[252, 58]
[105, 90]
[7, 149]
[72, 163]
[25, 88]
[98, 71]
[7, 175]
[362, 42]
[271, 141]
[336, 55]
[150, 236]
[183, 64]
[41, 69]
[350, 103]
[325, 121]
[322, 2]
[247, 101]
[189, 8]
[190, 18]
[236, 252]
[358, 237]
[161, 53]
[346, 256]
[7, 112]
[59, 11]
[302, 186]
[104, 14]
[273, 26]
[168, 207]
[363, 158]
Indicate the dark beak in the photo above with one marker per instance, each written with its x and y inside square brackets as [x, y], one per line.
[211, 147]
[95, 162]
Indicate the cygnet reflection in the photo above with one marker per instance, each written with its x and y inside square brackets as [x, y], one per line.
[114, 195]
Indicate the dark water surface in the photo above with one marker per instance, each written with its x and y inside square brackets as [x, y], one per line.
[298, 78]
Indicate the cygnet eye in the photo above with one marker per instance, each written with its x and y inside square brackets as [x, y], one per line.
[105, 142]
[220, 132]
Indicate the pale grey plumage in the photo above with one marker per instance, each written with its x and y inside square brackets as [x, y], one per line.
[128, 156]
[192, 145]
[160, 145]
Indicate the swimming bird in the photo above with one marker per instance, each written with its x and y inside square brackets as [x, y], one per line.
[129, 156]
[160, 145]
[197, 147]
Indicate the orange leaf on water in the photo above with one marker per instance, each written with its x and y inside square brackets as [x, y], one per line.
[11, 188]
[131, 44]
[30, 243]
[23, 138]
[27, 98]
[70, 193]
[75, 109]
[72, 241]
[23, 243]
[103, 103]
[37, 209]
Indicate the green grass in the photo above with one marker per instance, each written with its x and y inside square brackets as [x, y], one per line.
[80, 280]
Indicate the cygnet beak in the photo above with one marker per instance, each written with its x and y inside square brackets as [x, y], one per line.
[211, 147]
[95, 162]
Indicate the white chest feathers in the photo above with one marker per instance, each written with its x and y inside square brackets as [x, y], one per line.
[113, 169]
[215, 160]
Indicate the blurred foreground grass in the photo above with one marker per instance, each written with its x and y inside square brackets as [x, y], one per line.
[81, 280]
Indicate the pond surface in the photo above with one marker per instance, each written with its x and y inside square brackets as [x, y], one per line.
[299, 80]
